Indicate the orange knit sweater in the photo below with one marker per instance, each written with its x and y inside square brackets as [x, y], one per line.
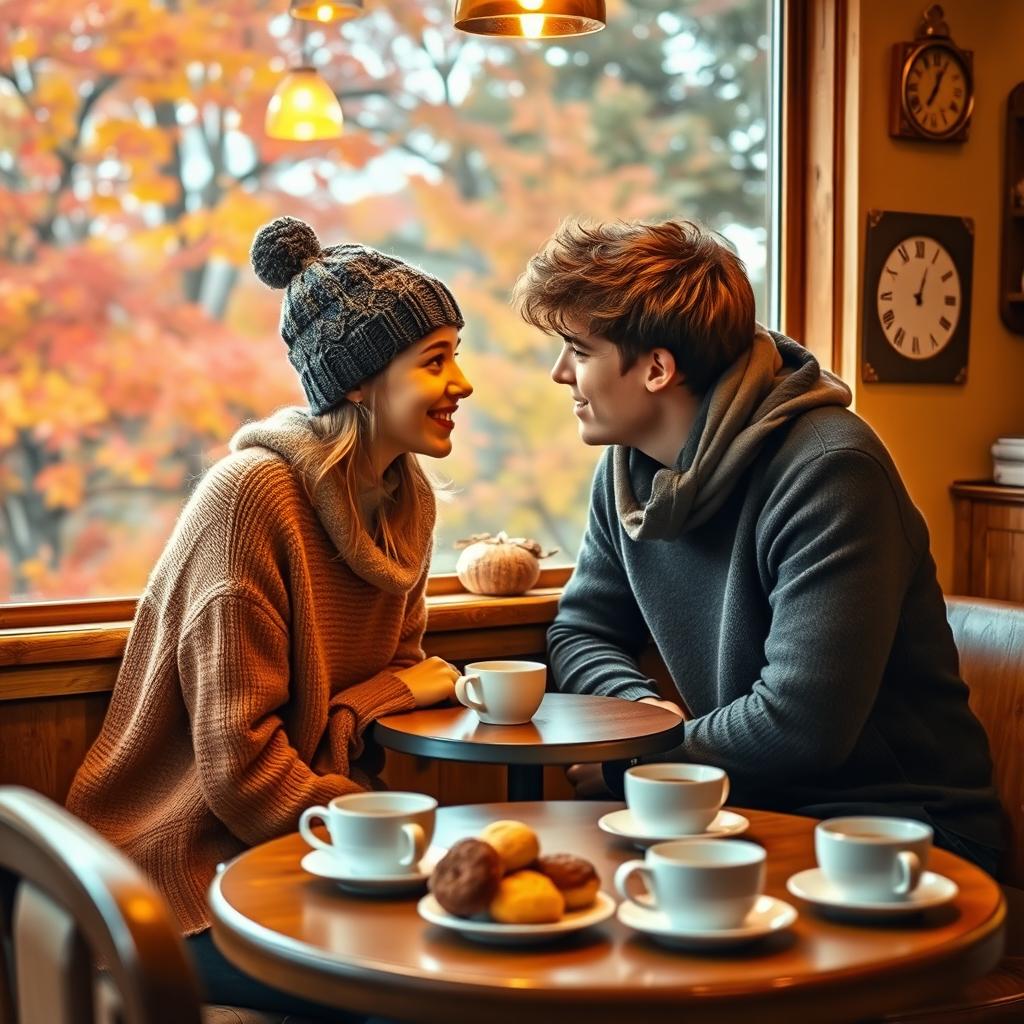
[264, 645]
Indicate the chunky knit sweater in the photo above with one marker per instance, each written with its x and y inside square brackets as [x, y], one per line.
[265, 643]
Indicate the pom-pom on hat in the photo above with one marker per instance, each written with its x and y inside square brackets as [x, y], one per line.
[348, 310]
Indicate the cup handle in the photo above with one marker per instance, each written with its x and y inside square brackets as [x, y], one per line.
[417, 844]
[908, 868]
[725, 790]
[464, 692]
[623, 875]
[309, 815]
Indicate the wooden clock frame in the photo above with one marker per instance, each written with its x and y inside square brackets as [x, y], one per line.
[880, 363]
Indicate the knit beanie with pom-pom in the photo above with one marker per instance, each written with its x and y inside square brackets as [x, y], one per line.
[348, 309]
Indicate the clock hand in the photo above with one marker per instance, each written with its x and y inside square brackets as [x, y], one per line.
[920, 291]
[935, 88]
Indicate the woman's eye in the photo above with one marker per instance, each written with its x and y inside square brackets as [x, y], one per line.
[437, 361]
[579, 353]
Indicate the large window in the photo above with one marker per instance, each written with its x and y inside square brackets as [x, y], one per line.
[134, 170]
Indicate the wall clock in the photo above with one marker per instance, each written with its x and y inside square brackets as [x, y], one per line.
[917, 298]
[932, 91]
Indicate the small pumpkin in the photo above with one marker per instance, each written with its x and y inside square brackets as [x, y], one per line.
[499, 565]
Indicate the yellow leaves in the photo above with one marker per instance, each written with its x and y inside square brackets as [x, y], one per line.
[25, 46]
[62, 485]
[234, 222]
[155, 188]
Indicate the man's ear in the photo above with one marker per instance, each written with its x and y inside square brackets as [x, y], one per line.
[662, 371]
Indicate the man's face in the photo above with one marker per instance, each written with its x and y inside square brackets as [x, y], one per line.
[611, 407]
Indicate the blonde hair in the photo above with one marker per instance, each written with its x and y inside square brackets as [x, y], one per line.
[341, 445]
[673, 285]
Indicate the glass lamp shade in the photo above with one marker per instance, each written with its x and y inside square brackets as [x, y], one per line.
[325, 11]
[304, 108]
[530, 19]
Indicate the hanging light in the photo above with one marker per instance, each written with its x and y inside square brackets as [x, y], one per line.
[304, 108]
[530, 19]
[325, 10]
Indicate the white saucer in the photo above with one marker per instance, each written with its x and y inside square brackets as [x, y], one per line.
[326, 865]
[811, 885]
[516, 934]
[769, 915]
[625, 826]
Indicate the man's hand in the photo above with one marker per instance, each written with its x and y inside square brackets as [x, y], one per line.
[668, 705]
[431, 681]
[588, 781]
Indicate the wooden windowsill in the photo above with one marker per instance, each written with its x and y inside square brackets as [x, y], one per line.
[447, 612]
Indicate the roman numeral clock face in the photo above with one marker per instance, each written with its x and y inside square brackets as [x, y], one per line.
[919, 297]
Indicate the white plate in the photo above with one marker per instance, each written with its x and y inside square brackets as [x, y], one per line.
[516, 934]
[625, 826]
[769, 915]
[326, 865]
[811, 885]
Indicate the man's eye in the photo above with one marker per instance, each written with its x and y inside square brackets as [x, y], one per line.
[578, 353]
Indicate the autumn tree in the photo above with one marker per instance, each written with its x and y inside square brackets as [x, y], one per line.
[134, 172]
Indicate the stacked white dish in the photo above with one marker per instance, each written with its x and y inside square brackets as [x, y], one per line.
[1008, 461]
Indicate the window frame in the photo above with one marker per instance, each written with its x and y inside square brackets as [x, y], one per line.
[813, 107]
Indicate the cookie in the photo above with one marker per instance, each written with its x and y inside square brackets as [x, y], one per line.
[527, 897]
[466, 879]
[516, 843]
[575, 878]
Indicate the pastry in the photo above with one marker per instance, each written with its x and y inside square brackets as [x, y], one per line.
[574, 877]
[527, 897]
[466, 879]
[516, 843]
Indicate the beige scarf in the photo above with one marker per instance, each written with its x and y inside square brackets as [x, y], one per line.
[773, 382]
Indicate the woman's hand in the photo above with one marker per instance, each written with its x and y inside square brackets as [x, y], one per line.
[430, 681]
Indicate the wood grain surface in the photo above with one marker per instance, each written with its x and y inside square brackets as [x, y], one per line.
[304, 935]
[568, 727]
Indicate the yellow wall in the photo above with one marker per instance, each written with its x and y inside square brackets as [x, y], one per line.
[936, 434]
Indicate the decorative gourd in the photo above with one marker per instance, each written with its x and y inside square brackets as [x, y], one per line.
[499, 565]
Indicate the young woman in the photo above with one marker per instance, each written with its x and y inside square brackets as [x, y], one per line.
[287, 610]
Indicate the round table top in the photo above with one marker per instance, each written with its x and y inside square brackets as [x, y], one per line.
[567, 728]
[371, 955]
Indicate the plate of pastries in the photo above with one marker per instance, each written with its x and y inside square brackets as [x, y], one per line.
[498, 887]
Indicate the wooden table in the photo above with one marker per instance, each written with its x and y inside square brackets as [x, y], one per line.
[376, 956]
[568, 728]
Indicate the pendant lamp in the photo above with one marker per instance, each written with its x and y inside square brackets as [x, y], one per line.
[530, 19]
[325, 10]
[304, 108]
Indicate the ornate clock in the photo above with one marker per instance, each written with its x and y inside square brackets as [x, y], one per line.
[917, 297]
[932, 95]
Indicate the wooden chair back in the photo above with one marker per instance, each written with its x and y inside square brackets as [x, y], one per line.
[70, 901]
[990, 638]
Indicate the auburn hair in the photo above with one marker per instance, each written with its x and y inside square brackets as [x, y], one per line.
[674, 285]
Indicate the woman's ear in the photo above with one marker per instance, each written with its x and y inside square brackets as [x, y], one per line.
[356, 395]
[662, 371]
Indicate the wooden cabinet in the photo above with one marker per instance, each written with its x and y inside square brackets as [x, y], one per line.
[988, 556]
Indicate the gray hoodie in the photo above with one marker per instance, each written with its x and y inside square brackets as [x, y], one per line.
[784, 575]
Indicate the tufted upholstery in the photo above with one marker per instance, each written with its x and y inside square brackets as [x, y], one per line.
[990, 638]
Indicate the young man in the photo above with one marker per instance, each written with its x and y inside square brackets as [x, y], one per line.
[758, 532]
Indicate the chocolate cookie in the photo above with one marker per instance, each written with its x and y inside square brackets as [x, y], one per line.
[466, 878]
[574, 877]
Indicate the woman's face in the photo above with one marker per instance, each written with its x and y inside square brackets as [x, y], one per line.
[418, 395]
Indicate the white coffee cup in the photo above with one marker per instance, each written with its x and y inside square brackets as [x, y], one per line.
[502, 692]
[872, 858]
[675, 798]
[374, 833]
[698, 884]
